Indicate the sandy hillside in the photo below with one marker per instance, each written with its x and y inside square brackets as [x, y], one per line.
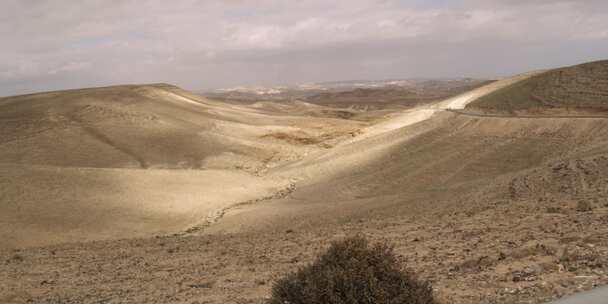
[156, 157]
[490, 209]
[576, 90]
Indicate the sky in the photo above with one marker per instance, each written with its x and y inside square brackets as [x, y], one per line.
[200, 45]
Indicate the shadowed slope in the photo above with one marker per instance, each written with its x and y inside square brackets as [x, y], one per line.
[580, 89]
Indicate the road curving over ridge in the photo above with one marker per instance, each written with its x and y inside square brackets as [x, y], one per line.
[456, 103]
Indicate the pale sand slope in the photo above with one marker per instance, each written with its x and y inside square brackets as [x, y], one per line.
[133, 161]
[151, 126]
[46, 205]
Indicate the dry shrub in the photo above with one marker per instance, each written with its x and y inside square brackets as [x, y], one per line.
[352, 272]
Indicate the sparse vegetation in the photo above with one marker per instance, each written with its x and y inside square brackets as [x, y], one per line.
[352, 271]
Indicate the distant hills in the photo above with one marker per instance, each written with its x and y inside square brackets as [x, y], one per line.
[355, 93]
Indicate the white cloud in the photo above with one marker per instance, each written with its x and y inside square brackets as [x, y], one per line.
[70, 67]
[216, 41]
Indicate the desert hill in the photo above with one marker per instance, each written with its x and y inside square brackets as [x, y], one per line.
[516, 193]
[158, 126]
[159, 158]
[580, 89]
[489, 208]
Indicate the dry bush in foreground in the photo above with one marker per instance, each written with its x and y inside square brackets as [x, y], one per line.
[352, 272]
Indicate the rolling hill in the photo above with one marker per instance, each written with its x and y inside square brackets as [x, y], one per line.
[408, 95]
[507, 208]
[575, 90]
[150, 126]
[356, 94]
[159, 158]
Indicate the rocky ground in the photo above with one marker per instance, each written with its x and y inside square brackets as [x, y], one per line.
[501, 252]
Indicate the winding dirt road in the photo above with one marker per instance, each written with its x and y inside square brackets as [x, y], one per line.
[456, 103]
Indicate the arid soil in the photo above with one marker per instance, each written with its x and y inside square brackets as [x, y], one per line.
[489, 209]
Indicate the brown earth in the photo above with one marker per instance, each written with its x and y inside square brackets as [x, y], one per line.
[489, 209]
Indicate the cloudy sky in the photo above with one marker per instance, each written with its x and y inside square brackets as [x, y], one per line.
[47, 45]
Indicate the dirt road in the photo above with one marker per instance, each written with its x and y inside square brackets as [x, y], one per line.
[418, 114]
[595, 296]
